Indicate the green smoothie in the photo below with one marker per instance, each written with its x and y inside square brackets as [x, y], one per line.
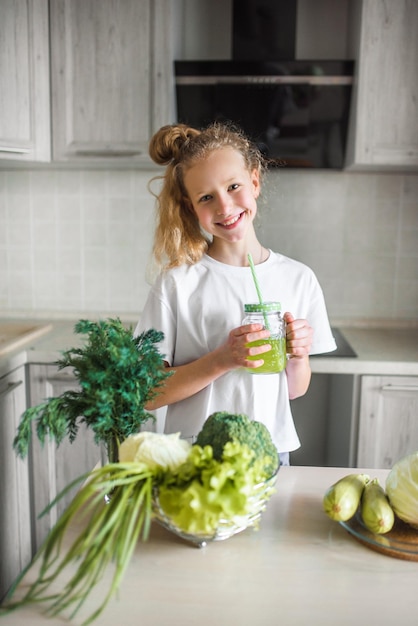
[274, 359]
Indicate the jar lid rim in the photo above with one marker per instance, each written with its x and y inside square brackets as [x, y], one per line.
[262, 308]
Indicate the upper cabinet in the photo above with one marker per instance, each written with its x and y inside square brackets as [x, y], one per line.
[24, 81]
[109, 73]
[110, 85]
[384, 113]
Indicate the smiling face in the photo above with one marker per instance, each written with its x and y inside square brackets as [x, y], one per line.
[223, 194]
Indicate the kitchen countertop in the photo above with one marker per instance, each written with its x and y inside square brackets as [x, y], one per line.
[379, 351]
[299, 568]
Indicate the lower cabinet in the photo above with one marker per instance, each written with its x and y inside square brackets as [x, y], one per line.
[54, 467]
[372, 420]
[15, 522]
[310, 414]
[388, 420]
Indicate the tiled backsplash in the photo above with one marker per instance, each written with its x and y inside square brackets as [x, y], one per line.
[78, 242]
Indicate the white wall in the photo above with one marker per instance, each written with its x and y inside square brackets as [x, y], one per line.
[77, 242]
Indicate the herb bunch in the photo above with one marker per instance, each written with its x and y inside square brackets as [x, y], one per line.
[117, 375]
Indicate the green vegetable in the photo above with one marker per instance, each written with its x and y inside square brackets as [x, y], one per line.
[222, 427]
[376, 511]
[203, 491]
[402, 489]
[156, 451]
[342, 499]
[197, 493]
[110, 536]
[117, 374]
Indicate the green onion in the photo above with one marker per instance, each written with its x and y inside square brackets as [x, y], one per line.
[111, 535]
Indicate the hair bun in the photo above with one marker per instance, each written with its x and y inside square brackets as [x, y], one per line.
[168, 141]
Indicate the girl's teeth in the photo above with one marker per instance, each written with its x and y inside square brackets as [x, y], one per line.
[234, 219]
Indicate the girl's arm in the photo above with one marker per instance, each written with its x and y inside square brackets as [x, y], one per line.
[192, 377]
[298, 341]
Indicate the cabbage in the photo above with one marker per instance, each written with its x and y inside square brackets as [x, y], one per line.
[155, 450]
[402, 489]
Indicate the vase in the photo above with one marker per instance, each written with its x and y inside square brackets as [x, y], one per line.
[110, 450]
[112, 446]
[109, 454]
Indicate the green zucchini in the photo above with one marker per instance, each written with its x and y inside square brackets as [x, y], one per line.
[343, 498]
[376, 512]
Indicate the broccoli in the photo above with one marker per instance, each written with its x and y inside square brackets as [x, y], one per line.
[222, 426]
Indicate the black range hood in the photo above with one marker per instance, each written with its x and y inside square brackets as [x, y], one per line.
[295, 110]
[264, 30]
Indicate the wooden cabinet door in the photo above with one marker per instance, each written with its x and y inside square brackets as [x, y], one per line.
[386, 86]
[53, 468]
[109, 71]
[15, 524]
[24, 81]
[388, 423]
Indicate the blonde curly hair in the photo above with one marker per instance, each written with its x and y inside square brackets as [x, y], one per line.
[178, 236]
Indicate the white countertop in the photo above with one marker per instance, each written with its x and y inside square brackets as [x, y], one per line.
[380, 351]
[300, 568]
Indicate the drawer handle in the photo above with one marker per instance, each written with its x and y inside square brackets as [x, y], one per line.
[399, 388]
[14, 150]
[10, 387]
[107, 153]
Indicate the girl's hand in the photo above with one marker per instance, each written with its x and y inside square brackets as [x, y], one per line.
[237, 350]
[298, 336]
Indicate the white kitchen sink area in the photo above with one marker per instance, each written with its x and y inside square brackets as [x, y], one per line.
[14, 334]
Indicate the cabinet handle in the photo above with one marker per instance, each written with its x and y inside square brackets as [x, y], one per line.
[14, 150]
[10, 387]
[107, 153]
[399, 388]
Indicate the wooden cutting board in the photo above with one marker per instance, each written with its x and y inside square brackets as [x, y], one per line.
[14, 335]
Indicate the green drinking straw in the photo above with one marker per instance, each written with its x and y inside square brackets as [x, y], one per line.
[257, 287]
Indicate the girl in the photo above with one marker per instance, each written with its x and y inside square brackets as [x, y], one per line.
[205, 231]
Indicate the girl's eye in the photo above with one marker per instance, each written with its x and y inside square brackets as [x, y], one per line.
[205, 198]
[233, 186]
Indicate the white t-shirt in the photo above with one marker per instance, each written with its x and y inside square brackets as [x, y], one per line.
[196, 306]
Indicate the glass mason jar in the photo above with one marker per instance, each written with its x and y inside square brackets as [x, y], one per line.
[269, 315]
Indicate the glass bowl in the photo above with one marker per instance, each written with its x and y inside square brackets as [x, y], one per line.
[226, 528]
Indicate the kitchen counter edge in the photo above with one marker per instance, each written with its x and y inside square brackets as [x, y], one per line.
[380, 350]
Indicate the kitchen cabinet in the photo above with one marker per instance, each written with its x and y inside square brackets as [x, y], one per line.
[326, 419]
[110, 75]
[24, 81]
[310, 413]
[388, 420]
[371, 420]
[54, 467]
[15, 524]
[107, 72]
[383, 126]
